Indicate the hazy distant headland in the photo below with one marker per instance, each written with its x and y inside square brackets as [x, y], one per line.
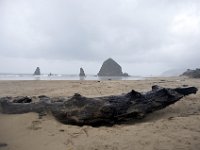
[192, 73]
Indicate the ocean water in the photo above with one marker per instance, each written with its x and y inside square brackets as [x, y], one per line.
[63, 77]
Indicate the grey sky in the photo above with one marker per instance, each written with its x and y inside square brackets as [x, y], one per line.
[146, 37]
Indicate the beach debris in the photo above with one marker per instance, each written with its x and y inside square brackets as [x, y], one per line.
[82, 73]
[111, 68]
[3, 144]
[107, 110]
[62, 130]
[37, 71]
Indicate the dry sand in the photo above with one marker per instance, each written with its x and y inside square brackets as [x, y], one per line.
[174, 128]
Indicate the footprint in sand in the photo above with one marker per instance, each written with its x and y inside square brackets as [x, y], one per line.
[35, 125]
[75, 134]
[70, 144]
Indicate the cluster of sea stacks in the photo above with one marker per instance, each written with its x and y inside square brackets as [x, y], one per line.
[109, 68]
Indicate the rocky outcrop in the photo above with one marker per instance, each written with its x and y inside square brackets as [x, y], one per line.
[192, 73]
[37, 71]
[125, 74]
[82, 73]
[111, 68]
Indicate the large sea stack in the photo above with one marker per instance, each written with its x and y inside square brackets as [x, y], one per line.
[111, 68]
[82, 73]
[37, 71]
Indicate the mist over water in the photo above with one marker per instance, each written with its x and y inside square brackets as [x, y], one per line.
[63, 77]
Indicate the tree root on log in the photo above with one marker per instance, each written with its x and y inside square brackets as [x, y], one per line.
[108, 110]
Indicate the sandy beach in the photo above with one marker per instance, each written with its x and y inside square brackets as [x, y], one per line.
[174, 128]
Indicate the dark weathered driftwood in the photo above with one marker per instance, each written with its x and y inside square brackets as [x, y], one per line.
[81, 110]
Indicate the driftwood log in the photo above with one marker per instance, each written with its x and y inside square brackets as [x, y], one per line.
[108, 110]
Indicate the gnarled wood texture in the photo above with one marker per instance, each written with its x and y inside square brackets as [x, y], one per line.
[108, 110]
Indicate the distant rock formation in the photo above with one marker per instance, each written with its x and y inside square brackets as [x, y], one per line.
[125, 74]
[82, 73]
[37, 71]
[192, 73]
[173, 72]
[111, 68]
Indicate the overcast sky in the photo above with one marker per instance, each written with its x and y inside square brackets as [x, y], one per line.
[146, 37]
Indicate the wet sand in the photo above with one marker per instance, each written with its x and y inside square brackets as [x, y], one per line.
[174, 128]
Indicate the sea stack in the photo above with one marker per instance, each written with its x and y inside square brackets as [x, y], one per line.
[37, 71]
[82, 73]
[111, 68]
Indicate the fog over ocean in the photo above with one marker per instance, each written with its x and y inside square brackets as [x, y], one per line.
[9, 76]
